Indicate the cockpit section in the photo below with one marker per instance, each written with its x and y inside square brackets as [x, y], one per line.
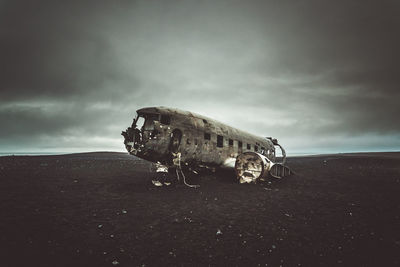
[144, 137]
[138, 134]
[145, 122]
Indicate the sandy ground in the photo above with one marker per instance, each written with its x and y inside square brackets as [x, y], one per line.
[98, 209]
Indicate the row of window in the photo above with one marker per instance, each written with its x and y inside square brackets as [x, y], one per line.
[165, 119]
[220, 142]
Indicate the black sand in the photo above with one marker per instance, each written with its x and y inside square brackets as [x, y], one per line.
[98, 209]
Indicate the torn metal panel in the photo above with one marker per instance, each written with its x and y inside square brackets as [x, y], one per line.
[229, 163]
[161, 175]
[160, 167]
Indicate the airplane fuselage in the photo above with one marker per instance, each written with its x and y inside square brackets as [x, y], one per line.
[159, 132]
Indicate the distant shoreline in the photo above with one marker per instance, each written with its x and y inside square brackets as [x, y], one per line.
[301, 154]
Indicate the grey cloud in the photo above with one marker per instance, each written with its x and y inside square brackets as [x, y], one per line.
[81, 68]
[54, 50]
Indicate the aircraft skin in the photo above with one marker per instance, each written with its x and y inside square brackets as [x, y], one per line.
[200, 141]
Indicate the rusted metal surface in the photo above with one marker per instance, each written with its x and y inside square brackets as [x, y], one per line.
[169, 136]
[251, 166]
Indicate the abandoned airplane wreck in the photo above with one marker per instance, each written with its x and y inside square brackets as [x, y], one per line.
[179, 141]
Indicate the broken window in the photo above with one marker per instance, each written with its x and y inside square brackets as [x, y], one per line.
[205, 121]
[240, 147]
[165, 119]
[149, 122]
[230, 142]
[139, 122]
[248, 146]
[255, 148]
[207, 136]
[220, 141]
[263, 150]
[188, 141]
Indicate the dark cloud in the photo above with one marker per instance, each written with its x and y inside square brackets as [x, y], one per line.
[55, 50]
[321, 72]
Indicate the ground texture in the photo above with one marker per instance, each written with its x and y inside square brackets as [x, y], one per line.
[98, 209]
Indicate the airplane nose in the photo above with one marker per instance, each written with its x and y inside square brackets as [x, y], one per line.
[128, 135]
[133, 138]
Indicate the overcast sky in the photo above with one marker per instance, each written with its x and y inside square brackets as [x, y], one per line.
[321, 76]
